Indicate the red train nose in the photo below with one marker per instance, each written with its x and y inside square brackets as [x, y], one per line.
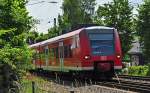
[103, 67]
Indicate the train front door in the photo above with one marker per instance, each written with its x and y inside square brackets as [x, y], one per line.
[61, 56]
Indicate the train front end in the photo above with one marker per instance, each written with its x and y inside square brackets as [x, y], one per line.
[101, 50]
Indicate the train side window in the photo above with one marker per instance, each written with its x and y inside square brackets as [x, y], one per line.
[67, 51]
[56, 52]
[73, 43]
[42, 54]
[51, 52]
[77, 41]
[46, 50]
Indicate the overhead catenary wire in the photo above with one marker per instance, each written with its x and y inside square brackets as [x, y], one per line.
[36, 3]
[39, 2]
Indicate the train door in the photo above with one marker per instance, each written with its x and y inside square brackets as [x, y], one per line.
[46, 57]
[61, 56]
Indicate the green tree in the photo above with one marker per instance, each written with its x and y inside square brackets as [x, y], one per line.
[76, 12]
[72, 12]
[15, 15]
[31, 39]
[118, 14]
[54, 31]
[14, 60]
[88, 6]
[41, 37]
[143, 28]
[14, 53]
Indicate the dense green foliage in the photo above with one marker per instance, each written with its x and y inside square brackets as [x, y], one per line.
[74, 12]
[14, 15]
[52, 32]
[34, 37]
[143, 28]
[139, 70]
[118, 14]
[15, 60]
[14, 53]
[77, 12]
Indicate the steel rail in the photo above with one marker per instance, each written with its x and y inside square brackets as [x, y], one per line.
[128, 85]
[144, 78]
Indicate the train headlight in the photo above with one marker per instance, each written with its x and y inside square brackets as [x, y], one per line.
[118, 56]
[87, 57]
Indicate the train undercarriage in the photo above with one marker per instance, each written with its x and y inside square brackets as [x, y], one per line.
[102, 70]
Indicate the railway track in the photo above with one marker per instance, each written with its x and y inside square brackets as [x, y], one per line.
[133, 83]
[123, 84]
[128, 85]
[143, 78]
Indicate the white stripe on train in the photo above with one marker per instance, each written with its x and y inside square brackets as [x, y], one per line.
[56, 68]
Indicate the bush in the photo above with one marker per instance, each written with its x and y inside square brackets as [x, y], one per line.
[15, 61]
[139, 70]
[148, 73]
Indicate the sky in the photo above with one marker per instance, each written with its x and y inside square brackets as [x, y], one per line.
[45, 11]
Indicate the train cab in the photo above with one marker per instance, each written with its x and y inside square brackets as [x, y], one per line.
[101, 49]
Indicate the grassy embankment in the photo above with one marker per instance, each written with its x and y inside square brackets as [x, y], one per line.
[27, 83]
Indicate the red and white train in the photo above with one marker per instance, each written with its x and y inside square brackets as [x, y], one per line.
[93, 49]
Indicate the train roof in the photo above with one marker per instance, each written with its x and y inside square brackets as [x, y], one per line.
[58, 38]
[98, 27]
[68, 35]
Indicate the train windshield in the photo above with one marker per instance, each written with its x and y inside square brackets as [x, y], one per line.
[102, 44]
